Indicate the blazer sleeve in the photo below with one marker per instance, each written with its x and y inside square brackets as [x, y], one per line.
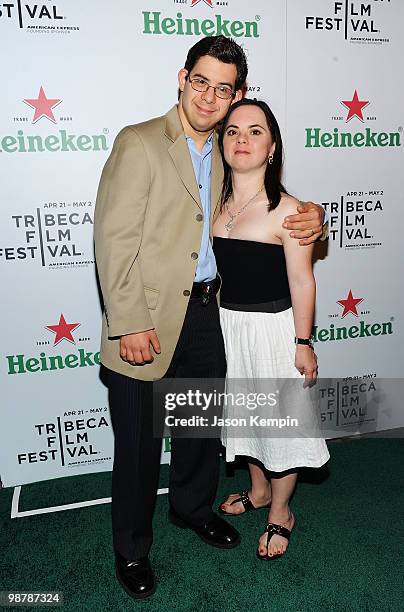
[118, 226]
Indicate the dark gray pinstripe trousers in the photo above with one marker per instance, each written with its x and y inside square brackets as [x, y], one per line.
[194, 462]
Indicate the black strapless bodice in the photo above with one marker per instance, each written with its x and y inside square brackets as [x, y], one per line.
[251, 272]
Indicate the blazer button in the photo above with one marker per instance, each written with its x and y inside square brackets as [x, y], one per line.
[186, 292]
[194, 255]
[199, 217]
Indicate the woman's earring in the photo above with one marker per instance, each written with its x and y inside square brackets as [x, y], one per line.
[271, 159]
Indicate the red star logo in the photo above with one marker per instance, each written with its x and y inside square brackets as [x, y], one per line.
[43, 106]
[63, 331]
[355, 107]
[350, 304]
[208, 2]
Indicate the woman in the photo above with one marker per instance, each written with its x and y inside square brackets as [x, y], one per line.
[267, 304]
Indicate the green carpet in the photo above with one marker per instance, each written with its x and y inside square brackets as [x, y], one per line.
[344, 553]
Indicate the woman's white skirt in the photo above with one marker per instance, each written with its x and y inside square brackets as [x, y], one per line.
[261, 346]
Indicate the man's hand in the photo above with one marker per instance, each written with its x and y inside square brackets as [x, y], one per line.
[308, 224]
[135, 348]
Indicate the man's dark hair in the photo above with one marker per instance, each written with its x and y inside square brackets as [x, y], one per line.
[273, 171]
[225, 50]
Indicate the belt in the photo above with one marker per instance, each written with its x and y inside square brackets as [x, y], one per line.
[206, 290]
[273, 306]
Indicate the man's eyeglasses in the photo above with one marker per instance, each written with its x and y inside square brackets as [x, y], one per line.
[221, 91]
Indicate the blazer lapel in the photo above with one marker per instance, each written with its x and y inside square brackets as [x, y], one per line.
[180, 155]
[217, 178]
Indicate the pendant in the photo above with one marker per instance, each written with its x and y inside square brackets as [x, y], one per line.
[228, 225]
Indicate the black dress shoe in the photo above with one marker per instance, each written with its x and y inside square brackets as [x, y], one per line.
[135, 577]
[215, 532]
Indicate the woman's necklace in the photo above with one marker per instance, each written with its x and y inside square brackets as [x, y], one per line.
[232, 216]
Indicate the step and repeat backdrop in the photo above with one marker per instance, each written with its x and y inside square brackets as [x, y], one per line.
[73, 74]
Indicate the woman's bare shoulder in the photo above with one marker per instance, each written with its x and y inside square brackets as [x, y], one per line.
[287, 205]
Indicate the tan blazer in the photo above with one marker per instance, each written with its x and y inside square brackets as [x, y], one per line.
[148, 229]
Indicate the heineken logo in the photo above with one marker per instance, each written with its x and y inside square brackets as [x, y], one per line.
[208, 2]
[360, 330]
[355, 107]
[61, 141]
[43, 107]
[43, 362]
[154, 23]
[349, 304]
[316, 137]
[20, 364]
[63, 331]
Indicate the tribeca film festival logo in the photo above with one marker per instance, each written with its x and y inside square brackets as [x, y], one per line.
[67, 438]
[214, 24]
[354, 219]
[348, 403]
[357, 22]
[58, 336]
[54, 239]
[34, 18]
[348, 307]
[43, 114]
[354, 116]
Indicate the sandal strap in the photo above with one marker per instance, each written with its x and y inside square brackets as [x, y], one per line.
[245, 500]
[273, 529]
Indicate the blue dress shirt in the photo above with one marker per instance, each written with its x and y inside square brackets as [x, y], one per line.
[202, 163]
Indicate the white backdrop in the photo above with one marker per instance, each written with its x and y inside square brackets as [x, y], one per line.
[73, 74]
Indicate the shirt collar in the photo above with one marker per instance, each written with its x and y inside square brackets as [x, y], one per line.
[207, 147]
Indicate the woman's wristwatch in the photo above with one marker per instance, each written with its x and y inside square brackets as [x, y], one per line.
[305, 341]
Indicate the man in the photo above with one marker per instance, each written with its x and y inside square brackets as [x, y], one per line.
[157, 196]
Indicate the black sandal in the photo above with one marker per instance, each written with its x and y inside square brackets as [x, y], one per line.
[273, 529]
[247, 503]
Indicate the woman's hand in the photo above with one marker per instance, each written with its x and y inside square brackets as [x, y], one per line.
[306, 363]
